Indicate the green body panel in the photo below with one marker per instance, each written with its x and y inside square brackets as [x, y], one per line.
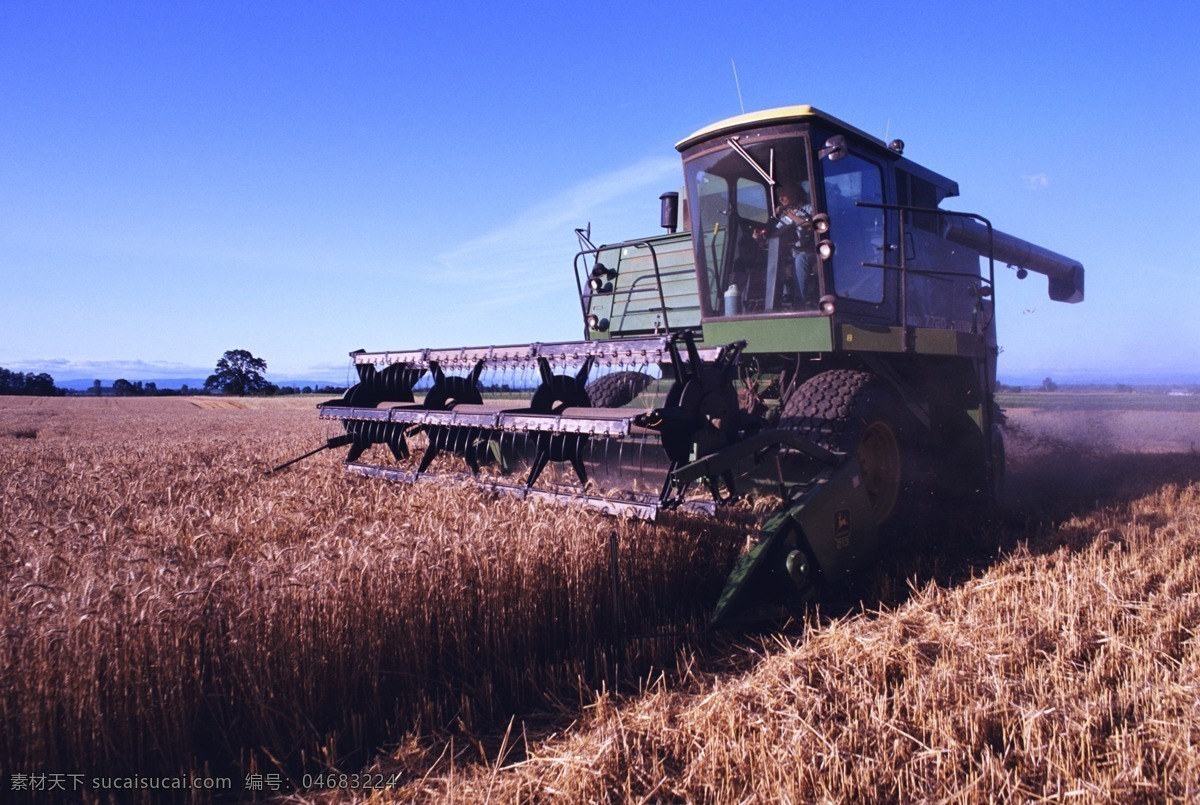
[920, 341]
[858, 338]
[838, 522]
[774, 334]
[946, 342]
[830, 521]
[632, 304]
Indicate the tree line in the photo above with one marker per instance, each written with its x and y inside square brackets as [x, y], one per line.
[237, 372]
[126, 388]
[30, 384]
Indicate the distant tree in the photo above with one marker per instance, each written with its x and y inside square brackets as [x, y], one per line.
[184, 389]
[97, 388]
[1049, 385]
[123, 388]
[1123, 388]
[238, 372]
[40, 384]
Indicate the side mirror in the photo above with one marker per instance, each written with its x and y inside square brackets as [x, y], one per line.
[835, 148]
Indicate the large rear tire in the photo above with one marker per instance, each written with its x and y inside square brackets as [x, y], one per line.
[855, 412]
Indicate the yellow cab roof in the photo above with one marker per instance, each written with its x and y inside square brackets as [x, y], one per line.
[782, 114]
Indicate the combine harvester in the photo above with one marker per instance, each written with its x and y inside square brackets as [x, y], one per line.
[821, 331]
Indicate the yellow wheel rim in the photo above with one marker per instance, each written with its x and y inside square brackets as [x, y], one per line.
[879, 460]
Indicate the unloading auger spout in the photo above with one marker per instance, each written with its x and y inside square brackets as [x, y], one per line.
[1065, 274]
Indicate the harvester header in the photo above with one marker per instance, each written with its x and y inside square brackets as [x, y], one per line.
[813, 325]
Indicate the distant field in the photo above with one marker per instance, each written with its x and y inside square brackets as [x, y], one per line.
[1104, 423]
[1070, 401]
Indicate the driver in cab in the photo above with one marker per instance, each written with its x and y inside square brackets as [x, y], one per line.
[792, 224]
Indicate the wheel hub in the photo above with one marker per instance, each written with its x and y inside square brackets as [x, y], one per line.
[879, 459]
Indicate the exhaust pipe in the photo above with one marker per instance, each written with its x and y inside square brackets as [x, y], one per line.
[669, 219]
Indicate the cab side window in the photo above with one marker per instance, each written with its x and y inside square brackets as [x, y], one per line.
[857, 232]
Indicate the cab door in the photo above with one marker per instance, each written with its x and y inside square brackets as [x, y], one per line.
[863, 239]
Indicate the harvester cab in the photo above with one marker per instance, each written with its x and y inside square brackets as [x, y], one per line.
[812, 257]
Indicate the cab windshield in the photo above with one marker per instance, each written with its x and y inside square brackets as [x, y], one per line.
[751, 209]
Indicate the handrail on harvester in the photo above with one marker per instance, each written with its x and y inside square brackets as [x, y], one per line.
[628, 293]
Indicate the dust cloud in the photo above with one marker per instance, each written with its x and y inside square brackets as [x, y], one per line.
[1061, 460]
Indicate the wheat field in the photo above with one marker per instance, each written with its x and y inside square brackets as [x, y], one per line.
[170, 608]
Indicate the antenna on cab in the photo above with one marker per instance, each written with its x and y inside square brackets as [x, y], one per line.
[738, 85]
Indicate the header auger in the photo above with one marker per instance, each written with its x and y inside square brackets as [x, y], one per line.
[812, 254]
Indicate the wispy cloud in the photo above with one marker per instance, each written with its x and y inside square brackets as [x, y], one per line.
[514, 281]
[1036, 181]
[518, 254]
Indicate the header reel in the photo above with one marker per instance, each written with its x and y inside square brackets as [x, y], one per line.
[621, 455]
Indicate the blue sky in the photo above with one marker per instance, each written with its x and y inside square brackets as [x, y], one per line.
[304, 179]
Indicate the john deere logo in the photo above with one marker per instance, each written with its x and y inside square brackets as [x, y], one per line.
[841, 529]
